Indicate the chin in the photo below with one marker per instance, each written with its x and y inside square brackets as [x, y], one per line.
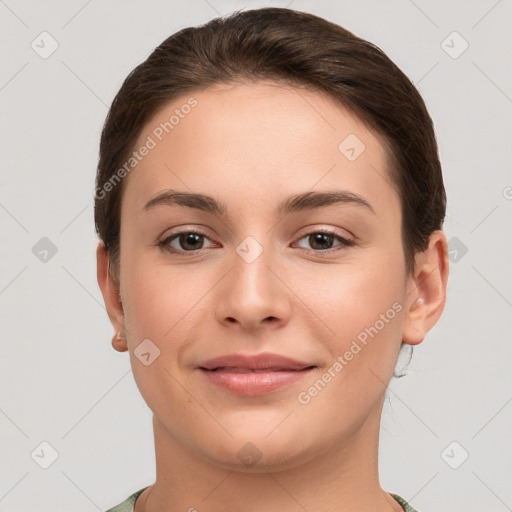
[256, 452]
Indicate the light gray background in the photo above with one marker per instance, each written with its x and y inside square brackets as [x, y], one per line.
[60, 380]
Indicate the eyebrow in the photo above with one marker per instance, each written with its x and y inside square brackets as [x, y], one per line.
[300, 202]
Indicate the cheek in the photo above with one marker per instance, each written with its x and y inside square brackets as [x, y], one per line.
[170, 306]
[159, 306]
[361, 305]
[344, 299]
[363, 309]
[158, 297]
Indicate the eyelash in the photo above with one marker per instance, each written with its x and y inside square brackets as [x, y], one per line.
[345, 242]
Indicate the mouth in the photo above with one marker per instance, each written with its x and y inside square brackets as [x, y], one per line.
[234, 369]
[254, 374]
[254, 382]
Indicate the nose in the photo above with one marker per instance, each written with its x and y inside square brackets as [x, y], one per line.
[254, 294]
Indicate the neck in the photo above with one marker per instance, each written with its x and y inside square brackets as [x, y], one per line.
[343, 478]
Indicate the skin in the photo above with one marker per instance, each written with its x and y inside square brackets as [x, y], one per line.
[250, 145]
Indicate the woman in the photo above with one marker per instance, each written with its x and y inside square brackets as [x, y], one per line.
[269, 203]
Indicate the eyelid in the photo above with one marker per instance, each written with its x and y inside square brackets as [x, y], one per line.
[329, 230]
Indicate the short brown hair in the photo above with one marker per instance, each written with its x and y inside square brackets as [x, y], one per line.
[299, 49]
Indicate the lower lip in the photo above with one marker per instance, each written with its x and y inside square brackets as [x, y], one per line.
[254, 383]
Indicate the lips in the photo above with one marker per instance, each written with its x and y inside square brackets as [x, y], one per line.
[233, 369]
[254, 375]
[242, 363]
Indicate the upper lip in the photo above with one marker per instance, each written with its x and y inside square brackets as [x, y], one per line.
[273, 362]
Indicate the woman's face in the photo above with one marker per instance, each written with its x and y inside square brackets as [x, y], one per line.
[262, 276]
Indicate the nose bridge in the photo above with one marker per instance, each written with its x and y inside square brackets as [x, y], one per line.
[253, 294]
[251, 275]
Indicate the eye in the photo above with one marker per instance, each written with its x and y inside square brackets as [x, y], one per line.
[187, 241]
[322, 241]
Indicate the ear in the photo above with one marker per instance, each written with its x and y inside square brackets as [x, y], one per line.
[426, 290]
[111, 297]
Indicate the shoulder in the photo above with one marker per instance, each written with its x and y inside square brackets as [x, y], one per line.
[128, 504]
[403, 503]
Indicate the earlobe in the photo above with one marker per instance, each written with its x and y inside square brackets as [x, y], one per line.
[111, 297]
[119, 342]
[426, 297]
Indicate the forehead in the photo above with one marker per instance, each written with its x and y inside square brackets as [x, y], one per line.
[257, 142]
